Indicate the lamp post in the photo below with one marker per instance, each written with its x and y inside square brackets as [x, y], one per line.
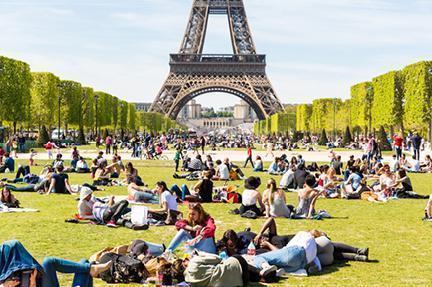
[334, 120]
[96, 114]
[59, 104]
[369, 95]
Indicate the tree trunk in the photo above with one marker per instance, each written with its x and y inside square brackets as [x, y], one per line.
[14, 127]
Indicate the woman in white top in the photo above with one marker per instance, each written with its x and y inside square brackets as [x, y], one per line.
[275, 201]
[168, 204]
[251, 197]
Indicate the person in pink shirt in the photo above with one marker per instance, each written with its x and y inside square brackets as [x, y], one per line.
[197, 231]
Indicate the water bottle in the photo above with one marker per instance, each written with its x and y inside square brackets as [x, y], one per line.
[251, 250]
[223, 255]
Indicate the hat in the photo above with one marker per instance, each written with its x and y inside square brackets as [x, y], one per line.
[252, 182]
[231, 188]
[84, 192]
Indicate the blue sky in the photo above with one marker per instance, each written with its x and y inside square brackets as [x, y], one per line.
[314, 48]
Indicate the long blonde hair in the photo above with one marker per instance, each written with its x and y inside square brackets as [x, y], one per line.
[203, 216]
[271, 186]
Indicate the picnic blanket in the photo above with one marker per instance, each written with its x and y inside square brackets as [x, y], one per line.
[10, 210]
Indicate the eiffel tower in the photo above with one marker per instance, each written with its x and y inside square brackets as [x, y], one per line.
[241, 74]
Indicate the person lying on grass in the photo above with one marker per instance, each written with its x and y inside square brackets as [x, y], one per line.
[19, 268]
[7, 198]
[141, 194]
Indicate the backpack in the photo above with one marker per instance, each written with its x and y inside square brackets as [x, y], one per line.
[249, 214]
[125, 269]
[233, 197]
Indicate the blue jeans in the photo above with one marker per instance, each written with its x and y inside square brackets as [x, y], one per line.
[181, 193]
[205, 244]
[81, 269]
[142, 196]
[155, 249]
[290, 258]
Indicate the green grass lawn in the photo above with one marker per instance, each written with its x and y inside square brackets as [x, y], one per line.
[399, 241]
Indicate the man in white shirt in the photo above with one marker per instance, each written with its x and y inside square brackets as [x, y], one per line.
[394, 164]
[415, 165]
[223, 171]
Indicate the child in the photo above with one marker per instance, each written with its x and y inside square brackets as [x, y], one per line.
[33, 153]
[177, 159]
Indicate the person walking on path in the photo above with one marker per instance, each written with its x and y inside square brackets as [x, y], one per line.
[416, 142]
[398, 145]
[249, 157]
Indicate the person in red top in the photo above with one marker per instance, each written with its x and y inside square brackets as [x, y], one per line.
[2, 152]
[197, 231]
[398, 144]
[49, 147]
[249, 157]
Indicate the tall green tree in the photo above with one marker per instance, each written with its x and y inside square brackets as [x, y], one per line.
[303, 117]
[387, 108]
[361, 105]
[44, 98]
[132, 117]
[115, 110]
[15, 84]
[88, 103]
[418, 96]
[71, 103]
[123, 115]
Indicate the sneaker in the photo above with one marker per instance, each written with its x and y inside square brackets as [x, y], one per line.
[267, 270]
[363, 251]
[159, 223]
[111, 224]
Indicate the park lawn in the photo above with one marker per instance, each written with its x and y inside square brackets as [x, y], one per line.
[399, 241]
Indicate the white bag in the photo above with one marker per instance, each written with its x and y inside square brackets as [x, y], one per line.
[139, 214]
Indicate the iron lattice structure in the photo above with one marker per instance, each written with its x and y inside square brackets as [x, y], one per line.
[242, 73]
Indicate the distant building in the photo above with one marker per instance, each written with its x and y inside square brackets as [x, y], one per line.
[142, 107]
[242, 110]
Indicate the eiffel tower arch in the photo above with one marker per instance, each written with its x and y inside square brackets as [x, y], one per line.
[192, 73]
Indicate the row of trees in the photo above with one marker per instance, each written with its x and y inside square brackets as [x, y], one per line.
[33, 99]
[398, 100]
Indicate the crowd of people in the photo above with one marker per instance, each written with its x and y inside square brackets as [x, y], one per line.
[239, 256]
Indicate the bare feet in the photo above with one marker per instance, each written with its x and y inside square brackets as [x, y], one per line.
[97, 269]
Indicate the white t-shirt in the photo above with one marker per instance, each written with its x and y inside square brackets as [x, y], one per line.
[170, 199]
[307, 241]
[223, 171]
[249, 197]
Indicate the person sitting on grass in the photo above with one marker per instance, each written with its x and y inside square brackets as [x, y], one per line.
[58, 161]
[251, 196]
[168, 204]
[222, 171]
[405, 188]
[307, 198]
[9, 164]
[275, 201]
[352, 187]
[197, 231]
[132, 175]
[426, 166]
[82, 166]
[7, 198]
[17, 263]
[258, 164]
[59, 183]
[202, 191]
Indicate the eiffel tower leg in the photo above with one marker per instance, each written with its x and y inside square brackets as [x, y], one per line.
[167, 94]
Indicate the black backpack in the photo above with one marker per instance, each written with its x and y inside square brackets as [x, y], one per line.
[125, 269]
